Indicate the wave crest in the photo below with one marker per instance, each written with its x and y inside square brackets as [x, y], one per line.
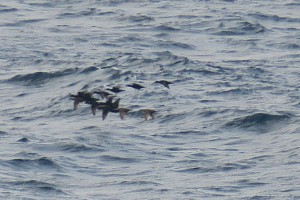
[41, 77]
[257, 119]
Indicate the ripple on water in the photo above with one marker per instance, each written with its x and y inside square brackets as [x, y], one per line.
[217, 168]
[38, 186]
[240, 28]
[77, 147]
[166, 28]
[140, 18]
[3, 133]
[258, 120]
[5, 9]
[42, 163]
[118, 159]
[41, 77]
[23, 140]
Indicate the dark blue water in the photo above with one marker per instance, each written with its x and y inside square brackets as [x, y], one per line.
[228, 127]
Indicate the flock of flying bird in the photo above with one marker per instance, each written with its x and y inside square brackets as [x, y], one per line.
[109, 105]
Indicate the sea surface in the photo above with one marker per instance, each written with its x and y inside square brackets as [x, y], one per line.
[228, 127]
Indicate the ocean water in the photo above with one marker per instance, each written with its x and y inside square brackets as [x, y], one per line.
[228, 127]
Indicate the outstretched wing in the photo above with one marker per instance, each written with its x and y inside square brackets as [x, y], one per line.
[152, 115]
[76, 103]
[123, 112]
[94, 108]
[116, 103]
[104, 114]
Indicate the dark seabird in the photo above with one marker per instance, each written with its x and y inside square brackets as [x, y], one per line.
[136, 86]
[111, 107]
[81, 97]
[115, 89]
[100, 105]
[164, 83]
[148, 113]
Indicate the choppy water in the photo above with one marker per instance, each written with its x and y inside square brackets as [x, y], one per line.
[228, 128]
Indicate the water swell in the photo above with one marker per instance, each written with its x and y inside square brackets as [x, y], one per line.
[23, 22]
[140, 18]
[89, 70]
[2, 133]
[38, 164]
[118, 159]
[218, 168]
[84, 13]
[5, 10]
[43, 77]
[76, 148]
[174, 45]
[240, 28]
[166, 28]
[141, 183]
[258, 119]
[40, 77]
[38, 185]
[275, 18]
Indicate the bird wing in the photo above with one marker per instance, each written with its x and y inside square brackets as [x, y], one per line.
[146, 115]
[116, 103]
[104, 114]
[94, 109]
[123, 112]
[76, 103]
[152, 115]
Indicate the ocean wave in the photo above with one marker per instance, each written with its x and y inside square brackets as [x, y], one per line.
[218, 168]
[74, 147]
[250, 183]
[23, 22]
[170, 59]
[82, 13]
[23, 140]
[166, 28]
[201, 71]
[6, 9]
[140, 18]
[119, 75]
[173, 44]
[3, 133]
[38, 185]
[258, 119]
[118, 159]
[275, 18]
[240, 28]
[179, 134]
[129, 38]
[294, 4]
[293, 46]
[143, 183]
[173, 117]
[89, 70]
[39, 163]
[232, 91]
[129, 60]
[42, 4]
[41, 77]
